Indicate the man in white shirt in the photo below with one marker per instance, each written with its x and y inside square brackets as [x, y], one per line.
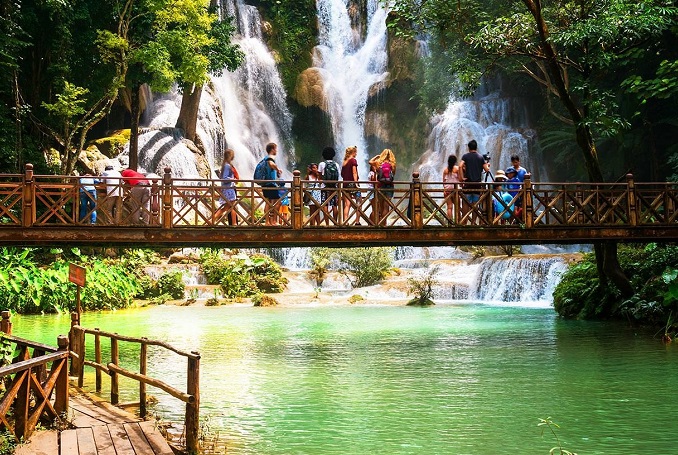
[112, 203]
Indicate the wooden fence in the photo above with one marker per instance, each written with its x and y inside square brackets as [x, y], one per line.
[172, 203]
[30, 380]
[113, 369]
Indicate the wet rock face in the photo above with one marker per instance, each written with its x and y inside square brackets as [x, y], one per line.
[310, 89]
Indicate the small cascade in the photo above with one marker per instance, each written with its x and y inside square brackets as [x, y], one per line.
[518, 279]
[350, 66]
[499, 125]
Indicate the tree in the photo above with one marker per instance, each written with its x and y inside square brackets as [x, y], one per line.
[176, 41]
[365, 266]
[566, 47]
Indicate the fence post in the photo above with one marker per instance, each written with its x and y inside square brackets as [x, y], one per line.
[28, 201]
[297, 201]
[61, 387]
[193, 408]
[631, 200]
[22, 405]
[142, 385]
[416, 202]
[97, 359]
[6, 323]
[115, 397]
[489, 203]
[528, 207]
[73, 342]
[167, 199]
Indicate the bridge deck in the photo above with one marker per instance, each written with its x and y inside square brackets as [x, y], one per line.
[103, 429]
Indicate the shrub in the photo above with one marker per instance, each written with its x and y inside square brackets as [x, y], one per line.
[171, 283]
[365, 266]
[321, 258]
[242, 276]
[237, 284]
[264, 300]
[422, 288]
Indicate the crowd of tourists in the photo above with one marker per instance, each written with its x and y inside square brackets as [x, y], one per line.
[332, 190]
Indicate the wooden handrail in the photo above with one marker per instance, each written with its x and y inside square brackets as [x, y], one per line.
[31, 344]
[191, 397]
[32, 363]
[146, 341]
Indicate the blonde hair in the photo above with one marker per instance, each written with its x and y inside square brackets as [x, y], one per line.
[387, 155]
[351, 152]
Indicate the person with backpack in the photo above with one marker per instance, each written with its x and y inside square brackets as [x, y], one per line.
[349, 174]
[266, 175]
[385, 163]
[470, 175]
[329, 171]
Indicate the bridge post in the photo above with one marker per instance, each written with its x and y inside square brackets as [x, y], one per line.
[28, 201]
[297, 201]
[75, 321]
[528, 207]
[61, 388]
[415, 199]
[6, 324]
[631, 200]
[192, 420]
[167, 199]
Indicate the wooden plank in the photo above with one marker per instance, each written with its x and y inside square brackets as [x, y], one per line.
[69, 442]
[121, 441]
[103, 440]
[101, 411]
[86, 444]
[155, 439]
[41, 443]
[138, 440]
[81, 420]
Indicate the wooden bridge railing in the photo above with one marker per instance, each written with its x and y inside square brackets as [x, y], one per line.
[175, 203]
[113, 369]
[30, 381]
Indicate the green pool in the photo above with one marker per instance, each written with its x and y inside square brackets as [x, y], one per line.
[453, 379]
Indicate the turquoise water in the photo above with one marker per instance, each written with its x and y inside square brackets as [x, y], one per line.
[467, 379]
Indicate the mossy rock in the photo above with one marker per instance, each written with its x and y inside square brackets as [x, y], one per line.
[355, 298]
[114, 144]
[421, 303]
[264, 300]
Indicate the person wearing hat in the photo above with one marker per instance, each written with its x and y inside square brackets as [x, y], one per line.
[502, 201]
[513, 185]
[112, 203]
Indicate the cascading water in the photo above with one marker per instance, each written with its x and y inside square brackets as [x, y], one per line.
[517, 279]
[243, 110]
[499, 125]
[349, 66]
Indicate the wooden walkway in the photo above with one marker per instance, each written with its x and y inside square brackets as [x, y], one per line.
[103, 429]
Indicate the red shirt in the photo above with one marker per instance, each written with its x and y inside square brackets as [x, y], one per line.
[347, 170]
[134, 177]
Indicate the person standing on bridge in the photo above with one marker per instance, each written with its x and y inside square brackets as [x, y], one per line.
[329, 171]
[451, 185]
[88, 198]
[349, 174]
[385, 164]
[112, 203]
[272, 194]
[470, 174]
[139, 196]
[227, 192]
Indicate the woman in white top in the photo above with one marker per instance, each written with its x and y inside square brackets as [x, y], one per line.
[451, 185]
[227, 192]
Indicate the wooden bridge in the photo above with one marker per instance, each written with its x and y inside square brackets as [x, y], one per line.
[168, 211]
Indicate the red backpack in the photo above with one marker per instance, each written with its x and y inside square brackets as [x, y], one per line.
[385, 174]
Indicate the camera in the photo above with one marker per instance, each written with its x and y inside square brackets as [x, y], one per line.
[487, 157]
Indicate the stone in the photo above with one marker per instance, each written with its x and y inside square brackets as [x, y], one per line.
[112, 145]
[310, 89]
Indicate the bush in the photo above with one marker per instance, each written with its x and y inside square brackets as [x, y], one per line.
[243, 276]
[365, 266]
[172, 284]
[422, 288]
[264, 300]
[321, 258]
[237, 284]
[650, 269]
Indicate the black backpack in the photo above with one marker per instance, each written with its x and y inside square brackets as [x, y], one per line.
[331, 171]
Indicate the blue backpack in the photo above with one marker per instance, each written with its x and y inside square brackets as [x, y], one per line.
[264, 172]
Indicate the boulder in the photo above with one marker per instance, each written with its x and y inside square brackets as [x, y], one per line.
[310, 89]
[114, 144]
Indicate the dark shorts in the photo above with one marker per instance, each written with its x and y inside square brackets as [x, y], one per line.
[352, 189]
[272, 195]
[331, 194]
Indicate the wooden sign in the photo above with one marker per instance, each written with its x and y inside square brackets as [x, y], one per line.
[76, 274]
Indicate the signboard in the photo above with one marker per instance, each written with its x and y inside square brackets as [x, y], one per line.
[76, 274]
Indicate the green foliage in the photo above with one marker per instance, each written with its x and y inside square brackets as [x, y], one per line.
[172, 284]
[30, 287]
[422, 287]
[321, 258]
[293, 35]
[7, 442]
[242, 275]
[264, 300]
[652, 271]
[365, 266]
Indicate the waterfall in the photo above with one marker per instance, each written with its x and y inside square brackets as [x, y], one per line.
[349, 66]
[517, 279]
[498, 123]
[243, 110]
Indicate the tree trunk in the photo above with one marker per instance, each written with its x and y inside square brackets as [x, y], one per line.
[613, 270]
[188, 115]
[135, 107]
